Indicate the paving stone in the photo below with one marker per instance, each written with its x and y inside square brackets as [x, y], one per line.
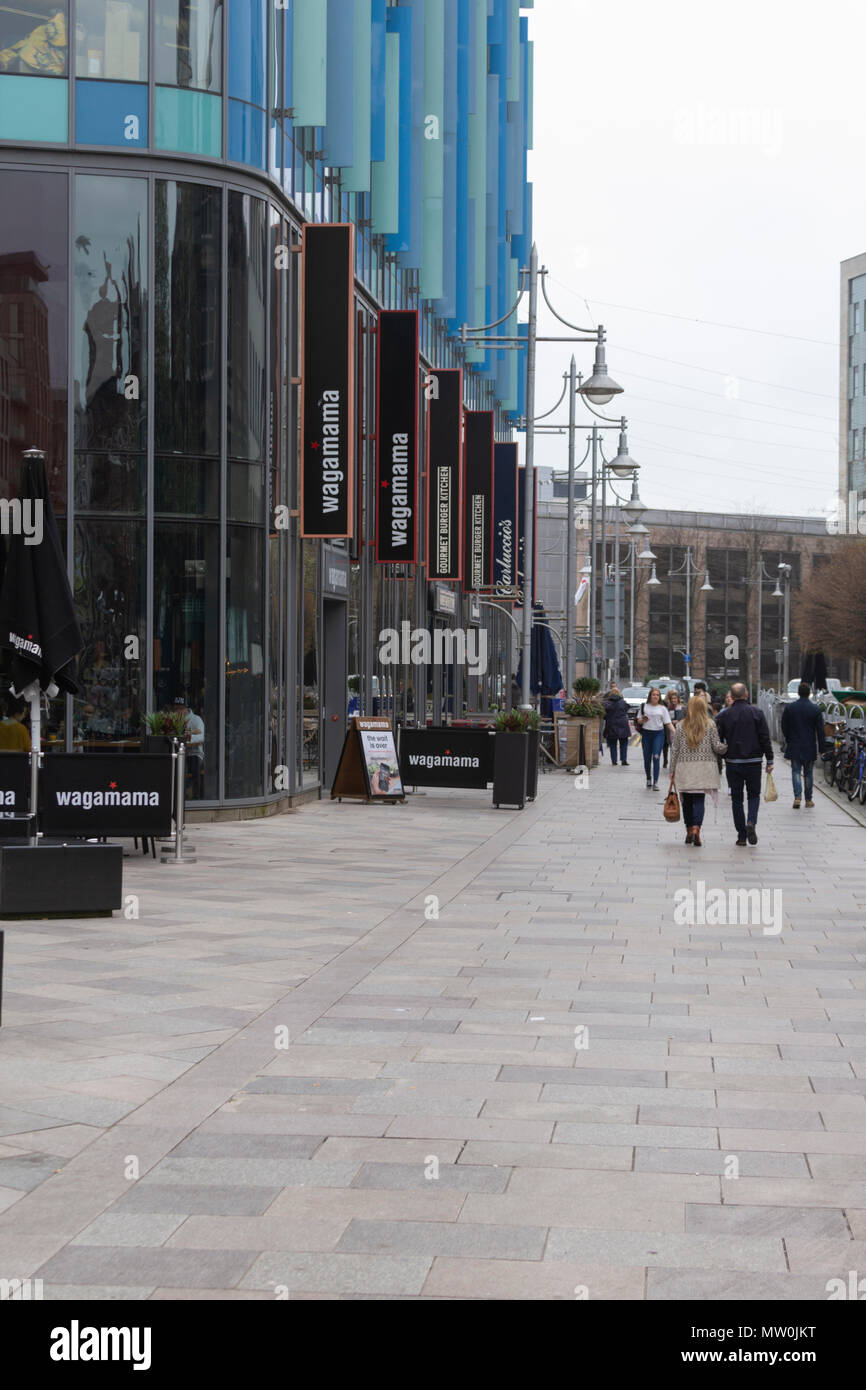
[463, 1177]
[668, 1250]
[93, 1264]
[764, 1221]
[339, 1273]
[189, 1200]
[468, 1278]
[130, 1228]
[428, 1238]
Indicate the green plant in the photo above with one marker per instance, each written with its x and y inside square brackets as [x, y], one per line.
[167, 723]
[354, 684]
[515, 721]
[585, 709]
[586, 685]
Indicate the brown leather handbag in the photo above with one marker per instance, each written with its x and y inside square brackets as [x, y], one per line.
[672, 804]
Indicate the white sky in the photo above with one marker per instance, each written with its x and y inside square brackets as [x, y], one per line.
[704, 161]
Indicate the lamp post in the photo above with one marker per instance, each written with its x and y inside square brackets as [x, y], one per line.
[785, 573]
[600, 388]
[691, 571]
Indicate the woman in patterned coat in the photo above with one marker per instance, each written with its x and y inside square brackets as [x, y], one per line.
[694, 767]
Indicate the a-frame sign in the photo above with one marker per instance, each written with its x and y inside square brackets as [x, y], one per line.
[368, 769]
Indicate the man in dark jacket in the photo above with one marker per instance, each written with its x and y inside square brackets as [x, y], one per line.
[617, 729]
[744, 729]
[803, 732]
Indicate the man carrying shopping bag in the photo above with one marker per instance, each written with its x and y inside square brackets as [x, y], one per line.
[744, 729]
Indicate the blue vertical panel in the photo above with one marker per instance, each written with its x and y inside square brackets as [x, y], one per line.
[247, 135]
[400, 23]
[378, 77]
[356, 179]
[494, 306]
[338, 136]
[310, 62]
[248, 51]
[462, 243]
[410, 258]
[385, 172]
[446, 306]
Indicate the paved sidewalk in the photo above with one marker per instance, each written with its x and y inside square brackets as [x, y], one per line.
[559, 1085]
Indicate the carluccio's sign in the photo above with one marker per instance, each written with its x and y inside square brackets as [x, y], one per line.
[328, 377]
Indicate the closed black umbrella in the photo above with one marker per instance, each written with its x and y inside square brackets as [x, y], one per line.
[39, 633]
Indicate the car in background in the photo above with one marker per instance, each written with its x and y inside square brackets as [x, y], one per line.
[833, 684]
[666, 683]
[634, 696]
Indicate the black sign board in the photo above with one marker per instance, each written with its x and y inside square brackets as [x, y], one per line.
[444, 469]
[446, 757]
[521, 529]
[14, 786]
[106, 794]
[328, 375]
[397, 438]
[505, 519]
[478, 500]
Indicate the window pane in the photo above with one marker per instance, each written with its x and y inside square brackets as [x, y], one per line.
[187, 299]
[33, 333]
[189, 43]
[111, 39]
[110, 601]
[190, 486]
[110, 312]
[33, 38]
[109, 483]
[186, 637]
[244, 663]
[246, 315]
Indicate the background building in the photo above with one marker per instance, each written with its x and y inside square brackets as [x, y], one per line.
[154, 158]
[852, 388]
[737, 626]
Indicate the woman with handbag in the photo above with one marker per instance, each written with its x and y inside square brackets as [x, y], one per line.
[651, 721]
[694, 768]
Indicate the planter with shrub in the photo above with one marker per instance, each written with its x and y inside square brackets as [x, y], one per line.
[162, 727]
[514, 729]
[580, 724]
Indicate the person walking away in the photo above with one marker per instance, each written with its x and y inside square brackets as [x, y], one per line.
[617, 729]
[651, 721]
[676, 711]
[803, 732]
[695, 749]
[744, 729]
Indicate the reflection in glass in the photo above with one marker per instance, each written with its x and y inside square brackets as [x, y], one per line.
[109, 483]
[33, 253]
[187, 486]
[186, 637]
[109, 592]
[33, 38]
[245, 667]
[246, 316]
[110, 311]
[187, 308]
[111, 39]
[189, 43]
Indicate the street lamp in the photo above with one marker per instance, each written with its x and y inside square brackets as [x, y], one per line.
[785, 571]
[600, 388]
[691, 571]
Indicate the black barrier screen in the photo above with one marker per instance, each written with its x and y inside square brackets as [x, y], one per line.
[101, 794]
[14, 785]
[446, 758]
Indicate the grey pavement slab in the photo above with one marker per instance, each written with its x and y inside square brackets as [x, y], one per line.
[416, 1046]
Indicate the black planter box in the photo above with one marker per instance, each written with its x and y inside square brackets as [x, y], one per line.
[510, 755]
[534, 736]
[57, 879]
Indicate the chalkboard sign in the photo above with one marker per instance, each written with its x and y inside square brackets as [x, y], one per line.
[93, 794]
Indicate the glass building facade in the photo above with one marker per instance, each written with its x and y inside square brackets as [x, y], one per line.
[154, 157]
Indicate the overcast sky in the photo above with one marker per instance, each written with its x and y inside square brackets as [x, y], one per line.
[704, 162]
